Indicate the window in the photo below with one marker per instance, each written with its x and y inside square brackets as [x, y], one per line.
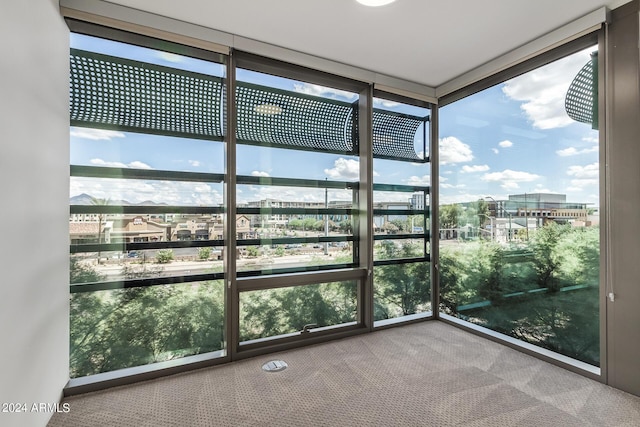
[218, 210]
[402, 286]
[146, 204]
[519, 198]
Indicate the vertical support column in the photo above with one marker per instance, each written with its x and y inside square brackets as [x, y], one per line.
[232, 311]
[434, 211]
[623, 198]
[605, 254]
[365, 205]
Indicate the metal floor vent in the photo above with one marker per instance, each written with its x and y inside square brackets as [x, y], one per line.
[275, 366]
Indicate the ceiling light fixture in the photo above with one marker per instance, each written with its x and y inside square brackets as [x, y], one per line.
[375, 3]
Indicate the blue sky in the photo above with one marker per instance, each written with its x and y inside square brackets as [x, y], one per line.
[512, 138]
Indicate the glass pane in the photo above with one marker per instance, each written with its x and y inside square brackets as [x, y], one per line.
[399, 249]
[401, 290]
[137, 192]
[519, 192]
[144, 264]
[146, 205]
[122, 328]
[400, 203]
[296, 194]
[274, 312]
[300, 256]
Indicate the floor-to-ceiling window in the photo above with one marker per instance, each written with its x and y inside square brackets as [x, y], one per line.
[224, 205]
[296, 187]
[146, 203]
[519, 207]
[401, 191]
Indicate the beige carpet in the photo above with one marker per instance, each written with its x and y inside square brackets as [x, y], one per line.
[427, 374]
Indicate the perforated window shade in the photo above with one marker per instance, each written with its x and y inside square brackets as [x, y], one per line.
[114, 93]
[581, 102]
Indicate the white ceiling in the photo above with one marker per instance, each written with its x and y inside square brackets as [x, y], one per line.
[424, 41]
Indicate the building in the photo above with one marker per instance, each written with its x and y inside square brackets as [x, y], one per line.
[35, 160]
[541, 206]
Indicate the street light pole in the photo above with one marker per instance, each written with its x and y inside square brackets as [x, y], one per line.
[495, 202]
[491, 224]
[326, 218]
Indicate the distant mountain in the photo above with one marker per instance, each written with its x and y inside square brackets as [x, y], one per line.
[81, 199]
[86, 199]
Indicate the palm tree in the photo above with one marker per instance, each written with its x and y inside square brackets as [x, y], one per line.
[100, 202]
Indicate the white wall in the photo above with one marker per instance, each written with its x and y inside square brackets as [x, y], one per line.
[34, 195]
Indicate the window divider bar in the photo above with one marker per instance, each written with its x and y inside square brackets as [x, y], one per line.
[294, 182]
[153, 174]
[299, 279]
[79, 288]
[141, 246]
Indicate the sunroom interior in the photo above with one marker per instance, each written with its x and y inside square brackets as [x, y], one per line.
[211, 187]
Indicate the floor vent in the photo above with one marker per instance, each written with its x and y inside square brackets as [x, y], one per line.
[275, 366]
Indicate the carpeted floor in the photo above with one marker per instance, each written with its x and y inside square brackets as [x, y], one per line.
[426, 374]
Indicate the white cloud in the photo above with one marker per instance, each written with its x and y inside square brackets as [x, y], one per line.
[587, 171]
[95, 134]
[378, 102]
[505, 144]
[194, 163]
[572, 151]
[475, 168]
[262, 192]
[495, 150]
[139, 165]
[344, 169]
[459, 197]
[452, 150]
[509, 179]
[510, 185]
[452, 186]
[585, 177]
[325, 92]
[419, 180]
[542, 91]
[259, 173]
[581, 184]
[170, 57]
[135, 164]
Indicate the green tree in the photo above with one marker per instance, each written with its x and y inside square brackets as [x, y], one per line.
[449, 216]
[401, 289]
[452, 288]
[130, 327]
[546, 256]
[80, 272]
[403, 225]
[286, 310]
[204, 253]
[164, 256]
[139, 271]
[345, 226]
[295, 224]
[252, 251]
[486, 267]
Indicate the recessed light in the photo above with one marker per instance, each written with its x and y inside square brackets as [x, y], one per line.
[375, 3]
